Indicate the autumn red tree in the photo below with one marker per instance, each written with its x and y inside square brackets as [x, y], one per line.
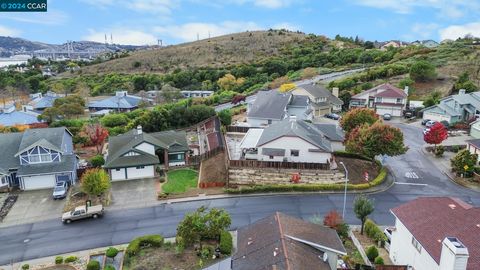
[238, 98]
[436, 135]
[97, 135]
[356, 118]
[332, 219]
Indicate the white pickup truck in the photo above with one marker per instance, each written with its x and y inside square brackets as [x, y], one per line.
[82, 212]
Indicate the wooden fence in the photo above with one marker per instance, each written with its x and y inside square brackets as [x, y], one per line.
[278, 165]
[238, 129]
[194, 160]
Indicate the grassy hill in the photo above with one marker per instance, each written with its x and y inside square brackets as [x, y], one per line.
[228, 50]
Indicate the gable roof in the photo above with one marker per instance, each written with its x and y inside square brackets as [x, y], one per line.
[331, 131]
[298, 101]
[282, 242]
[269, 105]
[295, 128]
[18, 118]
[117, 102]
[9, 143]
[319, 91]
[383, 90]
[432, 219]
[51, 138]
[474, 142]
[446, 105]
[173, 141]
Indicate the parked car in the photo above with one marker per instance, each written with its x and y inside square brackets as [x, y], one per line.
[387, 117]
[82, 212]
[424, 121]
[430, 123]
[425, 131]
[333, 116]
[60, 190]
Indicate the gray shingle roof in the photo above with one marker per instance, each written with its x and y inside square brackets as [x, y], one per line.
[117, 102]
[319, 91]
[45, 102]
[299, 101]
[331, 131]
[474, 142]
[275, 242]
[68, 164]
[17, 118]
[51, 138]
[9, 143]
[173, 141]
[295, 128]
[269, 105]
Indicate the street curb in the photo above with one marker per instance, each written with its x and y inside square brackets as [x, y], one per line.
[372, 190]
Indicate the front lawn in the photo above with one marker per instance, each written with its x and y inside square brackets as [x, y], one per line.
[180, 181]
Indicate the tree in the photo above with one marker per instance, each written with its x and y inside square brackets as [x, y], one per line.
[229, 82]
[363, 207]
[436, 135]
[309, 72]
[95, 182]
[357, 117]
[464, 162]
[97, 135]
[332, 219]
[286, 87]
[170, 93]
[114, 120]
[225, 117]
[372, 253]
[49, 115]
[278, 82]
[422, 71]
[376, 139]
[238, 98]
[432, 99]
[217, 220]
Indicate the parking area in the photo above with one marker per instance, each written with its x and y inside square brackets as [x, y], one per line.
[33, 206]
[133, 193]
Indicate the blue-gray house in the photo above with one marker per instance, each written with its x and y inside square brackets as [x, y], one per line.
[11, 117]
[37, 158]
[455, 108]
[40, 102]
[121, 102]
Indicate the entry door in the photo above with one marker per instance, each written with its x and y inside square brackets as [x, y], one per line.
[14, 181]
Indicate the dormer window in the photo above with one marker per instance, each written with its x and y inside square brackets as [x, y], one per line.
[131, 153]
[39, 154]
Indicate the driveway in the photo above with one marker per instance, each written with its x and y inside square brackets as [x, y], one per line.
[33, 206]
[133, 194]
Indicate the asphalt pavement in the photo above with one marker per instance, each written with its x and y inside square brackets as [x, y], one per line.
[414, 174]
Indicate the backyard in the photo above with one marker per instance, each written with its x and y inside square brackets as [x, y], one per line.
[179, 181]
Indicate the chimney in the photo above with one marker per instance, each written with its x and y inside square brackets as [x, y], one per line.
[454, 255]
[335, 91]
[139, 130]
[461, 92]
[406, 90]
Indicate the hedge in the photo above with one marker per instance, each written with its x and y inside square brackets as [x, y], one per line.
[93, 265]
[309, 187]
[25, 266]
[372, 253]
[154, 240]
[226, 243]
[71, 259]
[111, 252]
[379, 261]
[58, 260]
[351, 155]
[374, 232]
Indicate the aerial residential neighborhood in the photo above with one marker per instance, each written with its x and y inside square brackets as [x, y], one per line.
[239, 135]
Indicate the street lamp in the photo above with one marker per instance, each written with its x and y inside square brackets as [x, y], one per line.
[345, 193]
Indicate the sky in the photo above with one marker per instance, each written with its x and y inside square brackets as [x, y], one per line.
[141, 22]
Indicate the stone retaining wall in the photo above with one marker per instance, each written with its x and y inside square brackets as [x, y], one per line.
[250, 176]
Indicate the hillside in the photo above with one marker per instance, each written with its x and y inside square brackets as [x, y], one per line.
[222, 51]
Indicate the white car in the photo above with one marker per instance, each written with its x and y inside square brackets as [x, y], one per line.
[60, 190]
[425, 131]
[430, 123]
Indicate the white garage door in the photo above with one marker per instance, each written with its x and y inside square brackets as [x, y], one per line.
[38, 182]
[392, 111]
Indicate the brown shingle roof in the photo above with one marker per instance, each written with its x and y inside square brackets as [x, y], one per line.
[269, 244]
[389, 91]
[432, 219]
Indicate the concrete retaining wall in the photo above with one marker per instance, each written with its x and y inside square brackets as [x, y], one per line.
[249, 176]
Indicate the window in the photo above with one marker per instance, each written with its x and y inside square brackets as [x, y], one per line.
[269, 121]
[131, 153]
[117, 170]
[378, 99]
[4, 180]
[294, 153]
[270, 157]
[399, 100]
[416, 244]
[140, 167]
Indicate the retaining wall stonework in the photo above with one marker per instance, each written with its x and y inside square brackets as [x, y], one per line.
[251, 176]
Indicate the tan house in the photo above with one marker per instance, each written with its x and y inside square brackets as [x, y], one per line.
[322, 100]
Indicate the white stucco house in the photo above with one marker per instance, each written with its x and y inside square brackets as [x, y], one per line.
[37, 158]
[289, 140]
[384, 99]
[436, 233]
[136, 154]
[272, 107]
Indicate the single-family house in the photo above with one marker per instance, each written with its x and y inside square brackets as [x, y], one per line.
[455, 108]
[37, 158]
[384, 99]
[9, 116]
[282, 242]
[121, 102]
[475, 129]
[436, 233]
[272, 106]
[136, 154]
[40, 102]
[393, 44]
[426, 43]
[196, 93]
[322, 100]
[474, 147]
[289, 140]
[334, 134]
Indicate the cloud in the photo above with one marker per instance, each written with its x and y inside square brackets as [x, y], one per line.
[141, 6]
[10, 32]
[122, 36]
[272, 3]
[453, 9]
[287, 26]
[460, 31]
[52, 17]
[189, 31]
[424, 31]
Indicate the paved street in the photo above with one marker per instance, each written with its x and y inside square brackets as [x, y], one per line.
[414, 173]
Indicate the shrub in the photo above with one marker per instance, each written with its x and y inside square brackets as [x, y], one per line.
[372, 253]
[342, 230]
[206, 252]
[111, 252]
[93, 265]
[374, 232]
[25, 266]
[58, 260]
[225, 243]
[109, 267]
[97, 161]
[71, 259]
[136, 244]
[439, 151]
[379, 261]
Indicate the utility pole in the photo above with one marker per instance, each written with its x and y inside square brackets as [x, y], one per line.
[345, 192]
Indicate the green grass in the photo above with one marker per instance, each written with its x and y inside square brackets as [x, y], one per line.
[180, 181]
